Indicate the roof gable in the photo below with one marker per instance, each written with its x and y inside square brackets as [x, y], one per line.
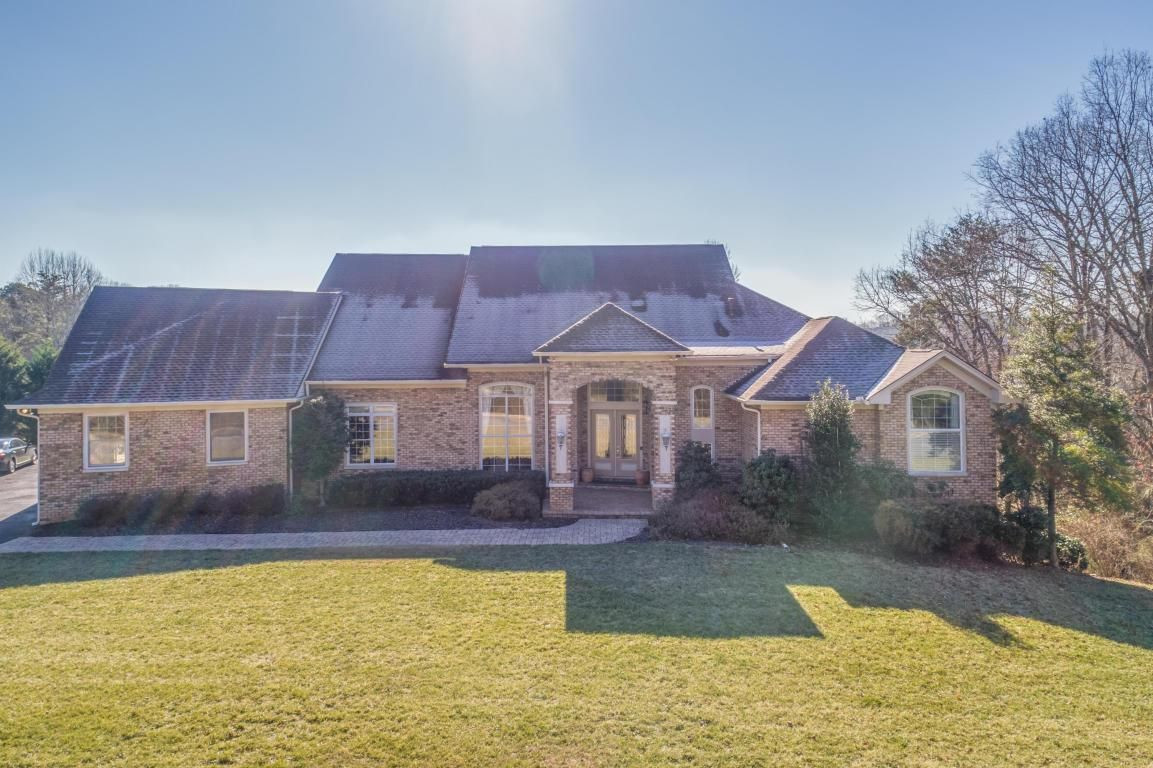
[610, 329]
[151, 345]
[826, 348]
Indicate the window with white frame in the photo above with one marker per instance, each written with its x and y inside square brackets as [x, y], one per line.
[506, 427]
[106, 441]
[227, 437]
[936, 432]
[372, 435]
[702, 420]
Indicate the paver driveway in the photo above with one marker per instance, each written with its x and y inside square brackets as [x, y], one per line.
[18, 502]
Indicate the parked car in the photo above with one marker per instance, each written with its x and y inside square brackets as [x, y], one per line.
[15, 453]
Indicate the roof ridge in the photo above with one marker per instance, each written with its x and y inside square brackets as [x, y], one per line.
[799, 341]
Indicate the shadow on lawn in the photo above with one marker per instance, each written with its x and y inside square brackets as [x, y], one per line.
[686, 590]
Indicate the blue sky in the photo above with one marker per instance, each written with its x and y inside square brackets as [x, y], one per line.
[240, 144]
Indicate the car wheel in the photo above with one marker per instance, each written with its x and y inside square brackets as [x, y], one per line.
[35, 455]
[11, 466]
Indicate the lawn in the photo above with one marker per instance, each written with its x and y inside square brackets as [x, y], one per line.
[632, 654]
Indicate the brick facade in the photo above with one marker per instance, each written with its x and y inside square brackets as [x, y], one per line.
[166, 450]
[883, 432]
[438, 428]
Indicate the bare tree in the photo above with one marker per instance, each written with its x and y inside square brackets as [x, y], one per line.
[959, 287]
[58, 284]
[1080, 187]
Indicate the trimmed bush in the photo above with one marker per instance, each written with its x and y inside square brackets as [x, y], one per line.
[412, 488]
[508, 501]
[769, 486]
[170, 510]
[696, 470]
[713, 515]
[929, 526]
[1071, 553]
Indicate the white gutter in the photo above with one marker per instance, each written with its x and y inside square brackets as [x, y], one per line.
[170, 404]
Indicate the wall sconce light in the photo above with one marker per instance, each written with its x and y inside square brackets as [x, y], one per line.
[666, 437]
[561, 432]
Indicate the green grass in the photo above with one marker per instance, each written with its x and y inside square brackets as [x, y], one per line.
[635, 654]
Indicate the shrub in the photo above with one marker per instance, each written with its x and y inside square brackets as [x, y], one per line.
[1024, 532]
[172, 510]
[920, 526]
[456, 487]
[713, 515]
[319, 439]
[831, 462]
[696, 469]
[769, 486]
[1113, 547]
[508, 501]
[1071, 554]
[881, 481]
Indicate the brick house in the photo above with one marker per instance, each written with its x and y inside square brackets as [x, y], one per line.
[603, 359]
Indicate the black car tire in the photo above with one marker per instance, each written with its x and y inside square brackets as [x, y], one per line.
[11, 466]
[35, 456]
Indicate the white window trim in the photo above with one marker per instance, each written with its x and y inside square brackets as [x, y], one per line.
[395, 431]
[909, 430]
[712, 428]
[208, 439]
[127, 443]
[531, 420]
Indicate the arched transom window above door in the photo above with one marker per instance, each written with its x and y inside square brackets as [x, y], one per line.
[936, 432]
[702, 417]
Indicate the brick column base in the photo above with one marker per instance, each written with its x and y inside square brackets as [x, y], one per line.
[559, 499]
[662, 496]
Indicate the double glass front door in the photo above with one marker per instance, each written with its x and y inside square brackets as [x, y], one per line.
[615, 443]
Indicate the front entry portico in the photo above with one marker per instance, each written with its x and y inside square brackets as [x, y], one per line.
[617, 419]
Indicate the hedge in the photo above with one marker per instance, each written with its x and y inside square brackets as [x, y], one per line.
[410, 488]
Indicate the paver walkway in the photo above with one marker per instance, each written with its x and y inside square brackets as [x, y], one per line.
[580, 532]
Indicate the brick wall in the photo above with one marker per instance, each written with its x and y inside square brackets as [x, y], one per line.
[166, 450]
[883, 432]
[439, 428]
[979, 482]
[727, 413]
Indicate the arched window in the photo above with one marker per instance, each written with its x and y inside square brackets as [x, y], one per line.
[702, 417]
[936, 432]
[506, 427]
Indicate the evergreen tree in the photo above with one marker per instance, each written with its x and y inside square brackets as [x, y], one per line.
[1064, 436]
[832, 458]
[13, 385]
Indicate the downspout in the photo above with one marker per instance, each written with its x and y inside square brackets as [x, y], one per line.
[757, 411]
[27, 413]
[290, 472]
[547, 443]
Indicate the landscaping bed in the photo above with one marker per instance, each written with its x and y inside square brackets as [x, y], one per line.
[404, 519]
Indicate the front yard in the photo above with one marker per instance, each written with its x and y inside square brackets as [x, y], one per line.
[642, 654]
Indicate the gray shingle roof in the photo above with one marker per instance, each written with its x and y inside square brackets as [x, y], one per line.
[395, 319]
[827, 348]
[610, 329]
[516, 298]
[145, 345]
